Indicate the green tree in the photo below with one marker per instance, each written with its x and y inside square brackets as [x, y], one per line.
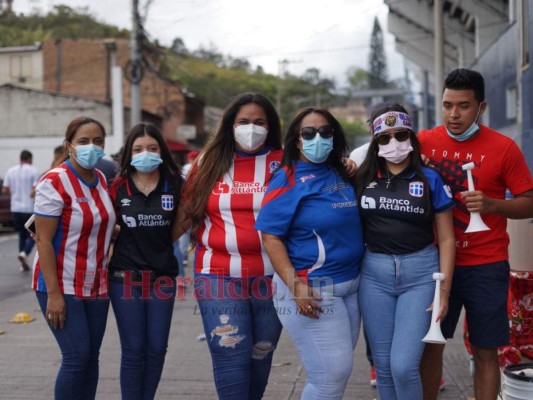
[377, 60]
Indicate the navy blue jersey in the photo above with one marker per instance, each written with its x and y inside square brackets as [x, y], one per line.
[397, 212]
[315, 212]
[145, 240]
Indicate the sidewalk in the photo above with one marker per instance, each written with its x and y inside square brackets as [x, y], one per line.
[30, 359]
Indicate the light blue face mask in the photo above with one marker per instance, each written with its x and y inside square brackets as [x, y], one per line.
[146, 161]
[469, 132]
[88, 155]
[317, 150]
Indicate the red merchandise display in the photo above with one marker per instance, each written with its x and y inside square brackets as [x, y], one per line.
[520, 310]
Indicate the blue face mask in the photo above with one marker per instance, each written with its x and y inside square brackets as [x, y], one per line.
[469, 132]
[146, 161]
[317, 150]
[88, 155]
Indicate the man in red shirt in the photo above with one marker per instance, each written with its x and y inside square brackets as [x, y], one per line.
[481, 276]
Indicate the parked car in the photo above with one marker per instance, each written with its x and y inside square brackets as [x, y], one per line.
[5, 208]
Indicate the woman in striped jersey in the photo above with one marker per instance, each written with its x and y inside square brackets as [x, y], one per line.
[74, 219]
[232, 270]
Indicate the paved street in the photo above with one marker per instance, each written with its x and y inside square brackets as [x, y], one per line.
[30, 357]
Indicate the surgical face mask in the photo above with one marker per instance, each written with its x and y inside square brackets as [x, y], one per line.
[395, 152]
[250, 137]
[88, 155]
[317, 150]
[146, 161]
[469, 132]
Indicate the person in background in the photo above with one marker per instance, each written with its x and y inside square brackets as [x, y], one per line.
[233, 273]
[60, 155]
[143, 268]
[109, 168]
[74, 220]
[181, 247]
[402, 203]
[312, 232]
[481, 276]
[19, 182]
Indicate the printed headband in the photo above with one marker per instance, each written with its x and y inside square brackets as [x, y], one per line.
[391, 119]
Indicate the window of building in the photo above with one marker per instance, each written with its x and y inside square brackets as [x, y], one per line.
[510, 102]
[523, 16]
[20, 68]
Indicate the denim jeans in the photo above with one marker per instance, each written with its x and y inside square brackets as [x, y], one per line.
[242, 331]
[143, 326]
[26, 242]
[325, 344]
[80, 342]
[395, 292]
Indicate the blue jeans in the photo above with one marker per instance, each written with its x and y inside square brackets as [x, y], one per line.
[395, 292]
[144, 326]
[80, 342]
[325, 344]
[242, 331]
[26, 242]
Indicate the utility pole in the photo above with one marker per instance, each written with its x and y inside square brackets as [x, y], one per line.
[438, 24]
[281, 72]
[136, 69]
[282, 64]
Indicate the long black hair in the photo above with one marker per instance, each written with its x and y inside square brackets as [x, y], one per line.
[368, 171]
[291, 152]
[169, 166]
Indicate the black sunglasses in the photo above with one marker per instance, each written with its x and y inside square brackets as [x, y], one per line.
[400, 136]
[308, 133]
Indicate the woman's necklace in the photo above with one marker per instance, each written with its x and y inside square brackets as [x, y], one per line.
[145, 187]
[389, 178]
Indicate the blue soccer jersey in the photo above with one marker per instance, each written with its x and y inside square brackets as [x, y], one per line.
[315, 211]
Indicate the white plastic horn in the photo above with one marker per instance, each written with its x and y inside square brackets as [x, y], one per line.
[476, 224]
[434, 334]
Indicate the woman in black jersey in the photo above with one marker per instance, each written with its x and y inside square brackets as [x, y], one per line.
[402, 203]
[143, 268]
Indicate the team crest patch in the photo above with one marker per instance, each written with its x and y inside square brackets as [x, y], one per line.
[167, 202]
[274, 165]
[390, 120]
[416, 189]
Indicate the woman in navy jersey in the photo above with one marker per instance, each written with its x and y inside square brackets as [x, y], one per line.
[223, 195]
[74, 220]
[143, 268]
[313, 235]
[403, 204]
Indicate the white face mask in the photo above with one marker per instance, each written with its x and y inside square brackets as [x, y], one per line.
[395, 151]
[250, 137]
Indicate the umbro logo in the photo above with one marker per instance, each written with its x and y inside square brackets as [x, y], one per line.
[125, 202]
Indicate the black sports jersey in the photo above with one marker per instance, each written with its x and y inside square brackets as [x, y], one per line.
[395, 213]
[144, 241]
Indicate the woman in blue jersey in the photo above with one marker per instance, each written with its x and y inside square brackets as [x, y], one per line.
[402, 204]
[312, 233]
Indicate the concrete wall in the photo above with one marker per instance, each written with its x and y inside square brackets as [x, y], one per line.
[527, 98]
[22, 66]
[37, 121]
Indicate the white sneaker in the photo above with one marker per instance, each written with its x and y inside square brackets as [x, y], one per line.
[24, 263]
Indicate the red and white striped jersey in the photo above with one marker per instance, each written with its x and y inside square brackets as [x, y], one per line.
[86, 220]
[228, 244]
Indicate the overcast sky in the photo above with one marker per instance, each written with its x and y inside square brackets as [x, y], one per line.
[330, 35]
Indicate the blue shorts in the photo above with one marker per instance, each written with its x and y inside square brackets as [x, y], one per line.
[482, 290]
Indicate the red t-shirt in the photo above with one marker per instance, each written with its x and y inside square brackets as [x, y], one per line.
[499, 165]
